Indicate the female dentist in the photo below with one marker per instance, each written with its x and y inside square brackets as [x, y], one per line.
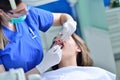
[20, 41]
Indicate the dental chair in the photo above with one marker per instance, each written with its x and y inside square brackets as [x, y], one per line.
[13, 74]
[17, 74]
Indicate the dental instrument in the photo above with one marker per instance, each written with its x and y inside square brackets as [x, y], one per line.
[13, 4]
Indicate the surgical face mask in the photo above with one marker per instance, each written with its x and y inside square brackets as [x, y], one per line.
[18, 20]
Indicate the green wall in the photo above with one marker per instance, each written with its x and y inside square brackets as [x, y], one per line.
[92, 14]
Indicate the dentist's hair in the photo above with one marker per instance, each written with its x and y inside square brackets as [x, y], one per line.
[83, 58]
[5, 5]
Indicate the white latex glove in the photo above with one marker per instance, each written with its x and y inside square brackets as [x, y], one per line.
[69, 28]
[51, 58]
[13, 74]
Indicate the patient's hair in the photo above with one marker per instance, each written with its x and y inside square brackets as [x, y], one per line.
[5, 5]
[83, 58]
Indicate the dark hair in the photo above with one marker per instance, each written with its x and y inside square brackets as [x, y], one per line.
[83, 58]
[5, 5]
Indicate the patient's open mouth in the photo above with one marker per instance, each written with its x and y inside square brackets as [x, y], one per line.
[58, 42]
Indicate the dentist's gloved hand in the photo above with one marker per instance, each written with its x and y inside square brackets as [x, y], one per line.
[69, 28]
[51, 58]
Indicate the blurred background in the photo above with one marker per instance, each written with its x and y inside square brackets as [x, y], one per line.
[98, 23]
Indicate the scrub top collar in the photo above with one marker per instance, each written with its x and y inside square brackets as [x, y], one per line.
[12, 35]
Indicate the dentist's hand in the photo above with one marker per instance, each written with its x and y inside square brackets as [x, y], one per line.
[69, 28]
[51, 58]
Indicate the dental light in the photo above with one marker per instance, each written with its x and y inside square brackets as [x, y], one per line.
[37, 2]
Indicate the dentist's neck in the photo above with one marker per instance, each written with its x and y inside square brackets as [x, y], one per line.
[9, 25]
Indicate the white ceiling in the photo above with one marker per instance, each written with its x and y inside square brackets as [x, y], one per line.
[37, 2]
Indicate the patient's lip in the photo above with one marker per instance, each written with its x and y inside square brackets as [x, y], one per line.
[62, 45]
[59, 42]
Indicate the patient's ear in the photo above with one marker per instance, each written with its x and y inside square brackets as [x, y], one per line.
[79, 49]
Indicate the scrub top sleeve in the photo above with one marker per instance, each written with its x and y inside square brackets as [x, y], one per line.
[44, 19]
[0, 56]
[0, 61]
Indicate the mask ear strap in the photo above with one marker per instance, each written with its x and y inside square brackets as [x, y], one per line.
[13, 4]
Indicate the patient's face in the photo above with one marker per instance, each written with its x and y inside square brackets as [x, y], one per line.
[69, 47]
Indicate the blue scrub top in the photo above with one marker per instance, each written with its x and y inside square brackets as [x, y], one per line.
[25, 48]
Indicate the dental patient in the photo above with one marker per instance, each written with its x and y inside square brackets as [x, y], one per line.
[76, 63]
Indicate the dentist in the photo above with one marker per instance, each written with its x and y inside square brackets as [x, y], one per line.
[20, 41]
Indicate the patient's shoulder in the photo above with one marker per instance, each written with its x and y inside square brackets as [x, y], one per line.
[84, 73]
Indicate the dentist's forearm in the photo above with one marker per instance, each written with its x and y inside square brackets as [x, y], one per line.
[32, 71]
[60, 18]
